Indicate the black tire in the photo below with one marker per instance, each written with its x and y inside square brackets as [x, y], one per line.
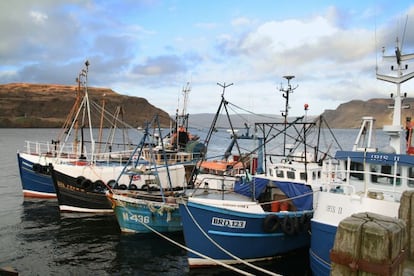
[304, 222]
[122, 187]
[112, 183]
[87, 184]
[79, 180]
[37, 168]
[271, 223]
[99, 185]
[133, 187]
[46, 170]
[288, 225]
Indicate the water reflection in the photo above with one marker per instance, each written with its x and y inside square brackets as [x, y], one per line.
[51, 243]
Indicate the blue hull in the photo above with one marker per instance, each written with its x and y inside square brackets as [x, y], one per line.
[132, 217]
[242, 234]
[322, 241]
[36, 179]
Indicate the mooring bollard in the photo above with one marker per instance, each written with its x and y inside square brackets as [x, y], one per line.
[368, 243]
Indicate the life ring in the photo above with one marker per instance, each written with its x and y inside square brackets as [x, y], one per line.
[87, 184]
[289, 225]
[99, 185]
[112, 183]
[271, 223]
[37, 167]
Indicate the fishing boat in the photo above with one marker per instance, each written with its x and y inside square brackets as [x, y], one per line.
[34, 161]
[365, 179]
[85, 193]
[153, 165]
[149, 210]
[82, 188]
[223, 173]
[238, 227]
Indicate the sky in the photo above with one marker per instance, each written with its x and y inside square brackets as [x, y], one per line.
[153, 48]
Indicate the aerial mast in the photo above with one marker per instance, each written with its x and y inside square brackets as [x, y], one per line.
[395, 130]
[285, 112]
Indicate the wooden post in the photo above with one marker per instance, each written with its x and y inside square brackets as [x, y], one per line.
[406, 213]
[369, 244]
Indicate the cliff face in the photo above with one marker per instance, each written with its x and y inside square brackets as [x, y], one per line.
[349, 115]
[44, 105]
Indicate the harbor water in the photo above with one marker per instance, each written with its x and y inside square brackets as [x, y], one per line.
[37, 240]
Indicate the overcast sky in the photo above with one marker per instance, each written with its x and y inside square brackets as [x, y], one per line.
[152, 48]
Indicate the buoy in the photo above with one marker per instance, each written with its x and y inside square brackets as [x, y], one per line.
[275, 207]
[284, 206]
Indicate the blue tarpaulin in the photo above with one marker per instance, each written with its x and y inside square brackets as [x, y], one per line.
[290, 189]
[244, 187]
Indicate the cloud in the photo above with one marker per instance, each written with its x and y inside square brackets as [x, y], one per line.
[240, 22]
[149, 48]
[38, 17]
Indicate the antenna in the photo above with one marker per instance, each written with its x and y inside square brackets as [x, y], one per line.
[224, 86]
[186, 90]
[285, 95]
[403, 36]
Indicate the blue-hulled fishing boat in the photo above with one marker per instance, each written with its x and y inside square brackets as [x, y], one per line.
[242, 226]
[153, 208]
[230, 231]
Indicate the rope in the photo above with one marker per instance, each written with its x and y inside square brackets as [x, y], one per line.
[184, 247]
[289, 198]
[224, 250]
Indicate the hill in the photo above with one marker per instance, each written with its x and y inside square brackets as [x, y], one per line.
[45, 105]
[348, 115]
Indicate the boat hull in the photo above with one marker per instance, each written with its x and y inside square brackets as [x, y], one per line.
[35, 176]
[240, 233]
[332, 209]
[75, 197]
[145, 216]
[322, 241]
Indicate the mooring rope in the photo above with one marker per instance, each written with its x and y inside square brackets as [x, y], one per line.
[225, 251]
[185, 247]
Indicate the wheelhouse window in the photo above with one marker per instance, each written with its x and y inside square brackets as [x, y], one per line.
[357, 170]
[302, 176]
[279, 173]
[316, 175]
[385, 174]
[270, 172]
[411, 176]
[290, 175]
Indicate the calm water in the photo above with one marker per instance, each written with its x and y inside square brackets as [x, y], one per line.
[37, 240]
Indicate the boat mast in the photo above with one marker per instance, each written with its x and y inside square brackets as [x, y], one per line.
[181, 119]
[285, 112]
[101, 124]
[395, 130]
[184, 115]
[78, 96]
